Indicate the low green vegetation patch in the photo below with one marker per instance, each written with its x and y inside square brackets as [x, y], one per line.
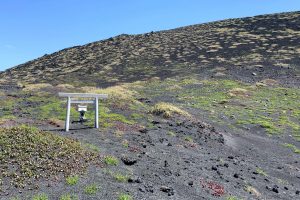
[68, 197]
[91, 147]
[125, 197]
[26, 154]
[293, 147]
[261, 172]
[111, 160]
[72, 180]
[188, 138]
[271, 107]
[91, 189]
[120, 177]
[40, 197]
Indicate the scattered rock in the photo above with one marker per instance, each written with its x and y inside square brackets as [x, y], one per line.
[168, 190]
[128, 160]
[134, 180]
[166, 164]
[190, 183]
[144, 130]
[275, 189]
[155, 122]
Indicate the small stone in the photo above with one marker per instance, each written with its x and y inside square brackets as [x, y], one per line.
[128, 161]
[297, 192]
[275, 190]
[144, 130]
[254, 74]
[166, 164]
[155, 122]
[138, 180]
[214, 168]
[190, 183]
[236, 176]
[168, 190]
[226, 165]
[134, 180]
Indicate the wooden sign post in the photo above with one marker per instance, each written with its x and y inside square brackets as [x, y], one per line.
[96, 97]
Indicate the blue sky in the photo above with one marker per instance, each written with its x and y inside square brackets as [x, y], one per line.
[32, 28]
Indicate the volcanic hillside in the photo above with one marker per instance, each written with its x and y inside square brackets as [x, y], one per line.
[258, 44]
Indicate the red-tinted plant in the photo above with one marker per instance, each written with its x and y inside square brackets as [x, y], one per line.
[134, 149]
[216, 189]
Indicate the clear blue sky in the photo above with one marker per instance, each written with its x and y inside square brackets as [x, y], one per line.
[32, 28]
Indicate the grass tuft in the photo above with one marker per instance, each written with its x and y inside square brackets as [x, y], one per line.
[40, 197]
[293, 147]
[111, 160]
[68, 197]
[91, 189]
[72, 180]
[261, 172]
[125, 197]
[120, 177]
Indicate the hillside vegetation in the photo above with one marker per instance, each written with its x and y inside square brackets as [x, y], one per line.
[248, 48]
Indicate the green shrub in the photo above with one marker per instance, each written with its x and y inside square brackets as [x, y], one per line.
[72, 180]
[111, 160]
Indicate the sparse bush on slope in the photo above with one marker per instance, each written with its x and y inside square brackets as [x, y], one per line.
[26, 154]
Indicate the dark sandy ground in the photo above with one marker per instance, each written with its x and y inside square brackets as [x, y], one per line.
[215, 165]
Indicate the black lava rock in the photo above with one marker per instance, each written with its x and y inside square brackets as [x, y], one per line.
[168, 190]
[144, 130]
[190, 183]
[128, 160]
[275, 189]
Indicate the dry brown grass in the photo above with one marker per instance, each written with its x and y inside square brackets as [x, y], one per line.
[167, 110]
[238, 92]
[56, 122]
[65, 86]
[269, 82]
[253, 191]
[174, 87]
[120, 92]
[38, 86]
